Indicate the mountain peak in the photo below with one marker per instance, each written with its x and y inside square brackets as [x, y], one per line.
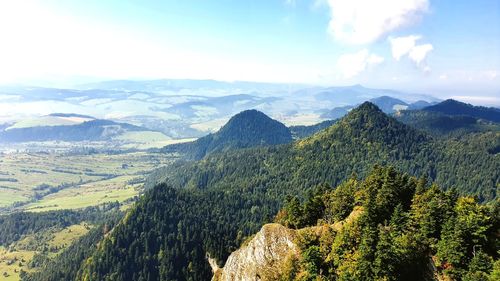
[252, 127]
[367, 123]
[365, 108]
[250, 115]
[246, 129]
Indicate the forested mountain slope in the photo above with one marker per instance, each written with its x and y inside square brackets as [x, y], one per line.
[246, 129]
[301, 131]
[211, 205]
[366, 136]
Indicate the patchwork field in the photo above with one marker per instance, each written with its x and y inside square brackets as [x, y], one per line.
[49, 181]
[50, 242]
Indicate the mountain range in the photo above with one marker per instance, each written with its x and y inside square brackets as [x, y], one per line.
[210, 206]
[188, 108]
[252, 172]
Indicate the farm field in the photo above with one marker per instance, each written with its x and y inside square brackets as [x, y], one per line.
[49, 181]
[18, 255]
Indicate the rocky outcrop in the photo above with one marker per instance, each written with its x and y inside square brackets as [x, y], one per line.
[262, 257]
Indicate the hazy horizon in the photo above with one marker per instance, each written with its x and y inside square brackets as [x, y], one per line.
[440, 48]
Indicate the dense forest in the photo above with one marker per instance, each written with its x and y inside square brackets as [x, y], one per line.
[210, 206]
[300, 132]
[391, 226]
[366, 136]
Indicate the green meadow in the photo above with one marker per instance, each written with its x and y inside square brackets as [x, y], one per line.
[51, 181]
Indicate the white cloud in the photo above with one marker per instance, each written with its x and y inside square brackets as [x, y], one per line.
[443, 77]
[402, 45]
[364, 21]
[406, 46]
[418, 53]
[353, 64]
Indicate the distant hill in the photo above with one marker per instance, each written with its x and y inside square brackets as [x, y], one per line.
[452, 118]
[337, 112]
[357, 94]
[387, 104]
[246, 129]
[300, 132]
[440, 124]
[453, 107]
[217, 107]
[71, 115]
[94, 130]
[420, 104]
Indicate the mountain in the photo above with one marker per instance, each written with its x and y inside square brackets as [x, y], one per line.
[337, 112]
[452, 118]
[389, 104]
[364, 137]
[420, 104]
[439, 124]
[246, 129]
[209, 207]
[453, 107]
[356, 94]
[217, 107]
[93, 130]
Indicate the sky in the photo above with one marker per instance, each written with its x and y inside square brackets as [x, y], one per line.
[439, 47]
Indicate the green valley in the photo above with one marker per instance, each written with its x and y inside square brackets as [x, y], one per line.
[49, 181]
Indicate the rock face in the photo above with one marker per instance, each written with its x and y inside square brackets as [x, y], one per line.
[262, 257]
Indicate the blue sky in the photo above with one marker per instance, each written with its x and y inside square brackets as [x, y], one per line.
[442, 47]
